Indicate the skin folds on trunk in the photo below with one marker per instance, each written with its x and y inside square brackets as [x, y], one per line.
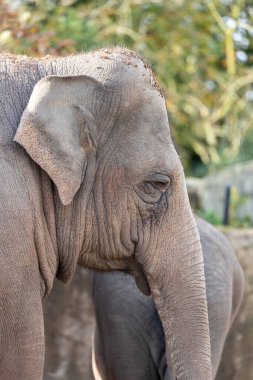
[176, 280]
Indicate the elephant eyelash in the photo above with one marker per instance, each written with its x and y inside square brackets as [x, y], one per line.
[153, 186]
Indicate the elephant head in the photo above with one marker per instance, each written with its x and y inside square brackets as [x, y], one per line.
[104, 140]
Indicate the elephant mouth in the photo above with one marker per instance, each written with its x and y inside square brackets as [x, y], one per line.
[143, 285]
[135, 270]
[128, 265]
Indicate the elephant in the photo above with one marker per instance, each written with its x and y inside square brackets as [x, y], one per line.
[129, 339]
[90, 177]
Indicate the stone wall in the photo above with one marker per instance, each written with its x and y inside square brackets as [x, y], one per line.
[69, 325]
[208, 193]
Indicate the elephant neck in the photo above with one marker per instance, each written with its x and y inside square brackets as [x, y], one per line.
[69, 238]
[74, 224]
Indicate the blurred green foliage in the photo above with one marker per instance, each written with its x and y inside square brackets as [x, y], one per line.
[201, 51]
[210, 217]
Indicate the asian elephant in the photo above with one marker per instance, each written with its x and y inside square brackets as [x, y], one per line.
[129, 340]
[90, 176]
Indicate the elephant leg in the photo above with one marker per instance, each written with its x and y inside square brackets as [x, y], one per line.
[21, 325]
[128, 344]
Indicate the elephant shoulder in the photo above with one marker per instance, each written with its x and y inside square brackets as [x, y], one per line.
[19, 185]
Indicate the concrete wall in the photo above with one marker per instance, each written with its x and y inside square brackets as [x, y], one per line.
[209, 192]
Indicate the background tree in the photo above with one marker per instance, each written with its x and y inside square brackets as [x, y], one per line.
[202, 52]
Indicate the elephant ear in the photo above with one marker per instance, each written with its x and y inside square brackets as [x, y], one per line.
[58, 131]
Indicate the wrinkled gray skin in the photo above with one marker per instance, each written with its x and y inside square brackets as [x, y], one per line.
[89, 175]
[129, 339]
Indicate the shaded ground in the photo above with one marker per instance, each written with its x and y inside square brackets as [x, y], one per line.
[69, 325]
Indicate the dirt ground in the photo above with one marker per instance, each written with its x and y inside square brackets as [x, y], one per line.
[69, 325]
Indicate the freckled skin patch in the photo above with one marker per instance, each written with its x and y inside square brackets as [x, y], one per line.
[129, 53]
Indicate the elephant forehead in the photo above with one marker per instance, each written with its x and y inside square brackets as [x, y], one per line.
[146, 143]
[141, 159]
[119, 65]
[143, 115]
[146, 129]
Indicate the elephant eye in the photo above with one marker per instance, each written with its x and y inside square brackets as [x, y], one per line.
[152, 189]
[159, 185]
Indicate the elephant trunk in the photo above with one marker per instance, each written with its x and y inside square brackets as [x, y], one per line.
[175, 273]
